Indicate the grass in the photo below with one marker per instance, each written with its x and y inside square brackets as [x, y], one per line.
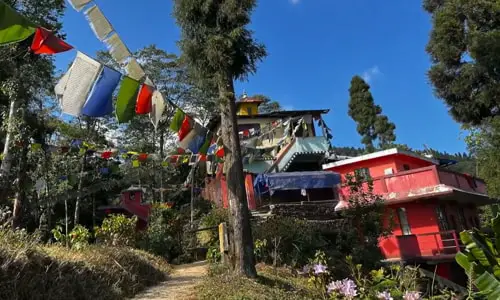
[272, 283]
[30, 270]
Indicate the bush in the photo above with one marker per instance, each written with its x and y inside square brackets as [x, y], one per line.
[78, 238]
[208, 238]
[285, 240]
[117, 230]
[164, 232]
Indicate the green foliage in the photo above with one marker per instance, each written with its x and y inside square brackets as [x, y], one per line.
[480, 259]
[371, 124]
[218, 48]
[77, 239]
[216, 216]
[117, 230]
[162, 235]
[285, 240]
[463, 45]
[268, 105]
[484, 143]
[213, 255]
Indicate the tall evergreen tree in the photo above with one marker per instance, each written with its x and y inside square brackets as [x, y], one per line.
[465, 49]
[219, 47]
[24, 79]
[371, 124]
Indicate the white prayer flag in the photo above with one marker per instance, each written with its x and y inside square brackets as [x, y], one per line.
[79, 4]
[117, 48]
[134, 70]
[74, 87]
[158, 108]
[98, 22]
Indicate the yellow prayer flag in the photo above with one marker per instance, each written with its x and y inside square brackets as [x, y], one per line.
[136, 164]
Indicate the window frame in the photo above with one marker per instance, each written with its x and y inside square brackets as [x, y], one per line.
[404, 224]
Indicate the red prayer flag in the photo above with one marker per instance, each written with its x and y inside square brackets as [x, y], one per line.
[220, 152]
[45, 42]
[186, 127]
[203, 157]
[143, 156]
[106, 155]
[143, 105]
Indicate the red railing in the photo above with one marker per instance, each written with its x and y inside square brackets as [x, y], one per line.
[421, 181]
[428, 245]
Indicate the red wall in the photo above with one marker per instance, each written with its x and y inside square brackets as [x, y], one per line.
[421, 218]
[377, 166]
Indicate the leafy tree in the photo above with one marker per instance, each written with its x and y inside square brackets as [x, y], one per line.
[464, 46]
[268, 105]
[372, 124]
[218, 47]
[24, 77]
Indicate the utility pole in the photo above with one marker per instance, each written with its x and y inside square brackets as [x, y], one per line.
[193, 171]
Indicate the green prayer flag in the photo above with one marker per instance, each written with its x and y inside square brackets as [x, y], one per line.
[127, 96]
[177, 120]
[13, 27]
[164, 163]
[204, 148]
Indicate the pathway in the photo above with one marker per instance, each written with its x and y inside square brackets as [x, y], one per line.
[180, 285]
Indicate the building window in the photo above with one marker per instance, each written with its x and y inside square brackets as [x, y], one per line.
[461, 218]
[403, 221]
[363, 173]
[406, 167]
[249, 111]
[443, 223]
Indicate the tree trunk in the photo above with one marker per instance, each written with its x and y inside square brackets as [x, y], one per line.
[162, 144]
[17, 214]
[7, 154]
[242, 242]
[79, 191]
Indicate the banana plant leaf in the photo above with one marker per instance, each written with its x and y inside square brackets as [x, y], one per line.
[488, 285]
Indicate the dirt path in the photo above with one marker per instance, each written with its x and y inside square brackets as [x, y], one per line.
[180, 285]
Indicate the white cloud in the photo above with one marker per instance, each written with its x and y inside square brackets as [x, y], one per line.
[371, 73]
[294, 1]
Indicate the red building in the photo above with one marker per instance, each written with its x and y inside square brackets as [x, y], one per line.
[429, 203]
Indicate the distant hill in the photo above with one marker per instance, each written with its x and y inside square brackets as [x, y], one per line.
[466, 163]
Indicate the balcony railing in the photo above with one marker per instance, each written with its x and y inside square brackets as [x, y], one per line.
[434, 245]
[422, 181]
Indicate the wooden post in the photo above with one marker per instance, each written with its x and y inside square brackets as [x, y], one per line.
[223, 243]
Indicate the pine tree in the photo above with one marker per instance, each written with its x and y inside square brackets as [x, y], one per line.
[371, 124]
[465, 49]
[218, 47]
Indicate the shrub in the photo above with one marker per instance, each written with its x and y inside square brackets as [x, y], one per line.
[117, 230]
[285, 240]
[78, 238]
[207, 238]
[163, 233]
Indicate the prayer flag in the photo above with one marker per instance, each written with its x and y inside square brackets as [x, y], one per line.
[76, 86]
[98, 22]
[186, 127]
[117, 48]
[79, 4]
[177, 120]
[136, 164]
[45, 42]
[13, 26]
[158, 107]
[143, 105]
[134, 70]
[198, 139]
[125, 103]
[208, 139]
[100, 100]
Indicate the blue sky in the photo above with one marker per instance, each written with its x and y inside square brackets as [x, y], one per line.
[315, 47]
